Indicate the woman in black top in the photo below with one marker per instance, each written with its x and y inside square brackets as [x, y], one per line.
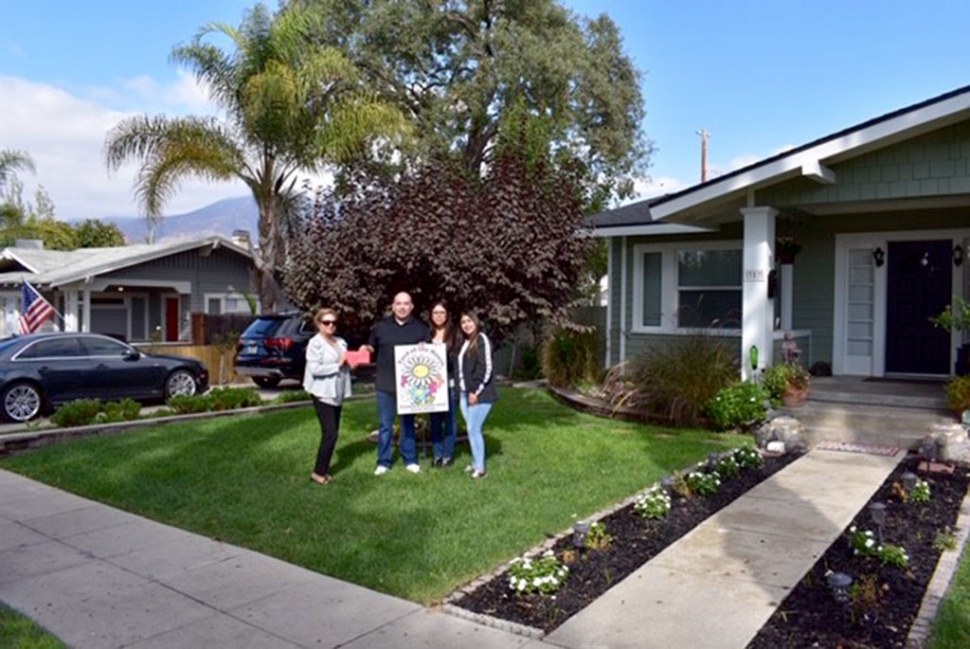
[476, 382]
[444, 425]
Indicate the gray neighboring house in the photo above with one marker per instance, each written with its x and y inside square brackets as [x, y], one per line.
[881, 213]
[139, 292]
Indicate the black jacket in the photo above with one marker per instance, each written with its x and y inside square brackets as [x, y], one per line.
[477, 371]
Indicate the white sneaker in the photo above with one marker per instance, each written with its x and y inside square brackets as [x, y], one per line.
[413, 468]
[380, 470]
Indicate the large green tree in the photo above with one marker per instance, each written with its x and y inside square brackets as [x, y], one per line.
[290, 106]
[457, 67]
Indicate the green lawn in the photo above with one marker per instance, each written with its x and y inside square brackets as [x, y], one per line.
[20, 632]
[951, 629]
[245, 480]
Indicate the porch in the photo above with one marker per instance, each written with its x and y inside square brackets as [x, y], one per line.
[870, 411]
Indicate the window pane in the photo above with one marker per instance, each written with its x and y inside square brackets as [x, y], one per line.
[652, 263]
[53, 348]
[214, 307]
[709, 268]
[704, 309]
[860, 348]
[859, 312]
[103, 347]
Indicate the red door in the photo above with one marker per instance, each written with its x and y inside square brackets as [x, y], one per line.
[171, 319]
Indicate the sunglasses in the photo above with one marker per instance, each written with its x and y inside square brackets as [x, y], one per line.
[328, 323]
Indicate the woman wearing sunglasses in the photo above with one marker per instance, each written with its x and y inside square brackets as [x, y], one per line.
[327, 380]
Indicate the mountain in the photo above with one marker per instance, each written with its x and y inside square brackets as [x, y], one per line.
[221, 218]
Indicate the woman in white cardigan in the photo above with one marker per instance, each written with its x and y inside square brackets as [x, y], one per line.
[327, 379]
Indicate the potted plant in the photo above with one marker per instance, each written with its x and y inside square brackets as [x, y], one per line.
[956, 316]
[785, 250]
[788, 384]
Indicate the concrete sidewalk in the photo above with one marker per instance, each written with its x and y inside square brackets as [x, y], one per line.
[99, 577]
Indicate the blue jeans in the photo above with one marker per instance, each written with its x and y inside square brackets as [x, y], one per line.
[444, 429]
[386, 411]
[474, 420]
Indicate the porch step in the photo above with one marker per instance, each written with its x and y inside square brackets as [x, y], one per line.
[873, 424]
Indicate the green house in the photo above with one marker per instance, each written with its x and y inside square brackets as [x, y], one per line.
[879, 216]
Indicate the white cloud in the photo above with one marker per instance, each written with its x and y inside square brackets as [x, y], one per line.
[65, 136]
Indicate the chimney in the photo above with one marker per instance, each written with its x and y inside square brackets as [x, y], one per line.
[240, 238]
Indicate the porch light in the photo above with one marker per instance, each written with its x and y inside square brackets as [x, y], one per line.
[925, 261]
[840, 584]
[580, 530]
[958, 255]
[909, 481]
[879, 257]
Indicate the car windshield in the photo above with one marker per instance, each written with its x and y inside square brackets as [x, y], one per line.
[262, 327]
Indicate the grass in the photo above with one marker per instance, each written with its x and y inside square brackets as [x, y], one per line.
[20, 632]
[244, 480]
[951, 629]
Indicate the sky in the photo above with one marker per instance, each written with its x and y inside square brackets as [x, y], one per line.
[759, 75]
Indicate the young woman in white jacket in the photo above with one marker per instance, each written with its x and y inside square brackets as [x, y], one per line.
[327, 380]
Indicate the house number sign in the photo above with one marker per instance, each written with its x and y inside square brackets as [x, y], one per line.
[754, 274]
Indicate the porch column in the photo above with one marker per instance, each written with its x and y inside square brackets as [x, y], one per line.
[786, 286]
[70, 310]
[757, 310]
[86, 311]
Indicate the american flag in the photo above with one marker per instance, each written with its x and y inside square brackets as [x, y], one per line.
[35, 311]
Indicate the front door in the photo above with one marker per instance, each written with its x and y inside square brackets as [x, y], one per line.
[171, 319]
[919, 287]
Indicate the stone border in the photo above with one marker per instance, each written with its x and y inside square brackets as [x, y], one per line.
[946, 568]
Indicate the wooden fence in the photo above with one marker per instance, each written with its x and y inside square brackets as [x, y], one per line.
[218, 360]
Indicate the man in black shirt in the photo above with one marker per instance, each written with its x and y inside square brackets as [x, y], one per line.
[400, 328]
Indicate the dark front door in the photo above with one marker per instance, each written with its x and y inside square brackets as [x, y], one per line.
[919, 287]
[171, 319]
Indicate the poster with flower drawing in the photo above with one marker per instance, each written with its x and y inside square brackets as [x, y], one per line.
[421, 372]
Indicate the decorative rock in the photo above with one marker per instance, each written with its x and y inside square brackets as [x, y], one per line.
[785, 429]
[776, 446]
[952, 443]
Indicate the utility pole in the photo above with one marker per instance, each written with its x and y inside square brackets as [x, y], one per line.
[704, 135]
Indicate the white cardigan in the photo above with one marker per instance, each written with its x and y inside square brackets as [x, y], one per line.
[323, 377]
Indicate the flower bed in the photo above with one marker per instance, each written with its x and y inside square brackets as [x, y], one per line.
[889, 578]
[638, 531]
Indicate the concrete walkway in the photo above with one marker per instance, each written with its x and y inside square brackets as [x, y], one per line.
[98, 577]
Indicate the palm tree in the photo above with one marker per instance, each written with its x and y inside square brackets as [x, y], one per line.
[290, 107]
[11, 161]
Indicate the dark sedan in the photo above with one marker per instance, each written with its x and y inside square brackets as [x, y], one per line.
[40, 371]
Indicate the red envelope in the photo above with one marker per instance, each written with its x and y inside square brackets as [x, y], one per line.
[359, 357]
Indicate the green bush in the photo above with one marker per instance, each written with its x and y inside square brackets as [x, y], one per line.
[294, 395]
[738, 406]
[232, 398]
[77, 413]
[187, 405]
[958, 394]
[124, 410]
[674, 381]
[569, 358]
[777, 377]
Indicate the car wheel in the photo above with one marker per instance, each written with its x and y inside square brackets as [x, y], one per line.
[266, 381]
[21, 402]
[180, 383]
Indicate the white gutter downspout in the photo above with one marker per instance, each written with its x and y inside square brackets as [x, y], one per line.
[609, 304]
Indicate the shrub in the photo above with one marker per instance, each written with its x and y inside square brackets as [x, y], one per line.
[186, 405]
[294, 395]
[738, 406]
[653, 504]
[958, 394]
[570, 358]
[728, 466]
[540, 575]
[748, 457]
[77, 413]
[232, 398]
[703, 484]
[864, 544]
[124, 410]
[674, 381]
[597, 537]
[778, 377]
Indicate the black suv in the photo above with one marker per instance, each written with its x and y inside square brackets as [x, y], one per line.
[273, 347]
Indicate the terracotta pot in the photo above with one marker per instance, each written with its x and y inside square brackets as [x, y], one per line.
[794, 396]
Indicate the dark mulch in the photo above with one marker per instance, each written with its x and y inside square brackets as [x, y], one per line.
[810, 616]
[636, 540]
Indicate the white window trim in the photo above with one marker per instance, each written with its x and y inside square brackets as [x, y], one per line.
[222, 297]
[668, 285]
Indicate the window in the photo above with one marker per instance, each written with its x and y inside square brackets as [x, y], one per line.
[220, 303]
[677, 286]
[94, 346]
[65, 347]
